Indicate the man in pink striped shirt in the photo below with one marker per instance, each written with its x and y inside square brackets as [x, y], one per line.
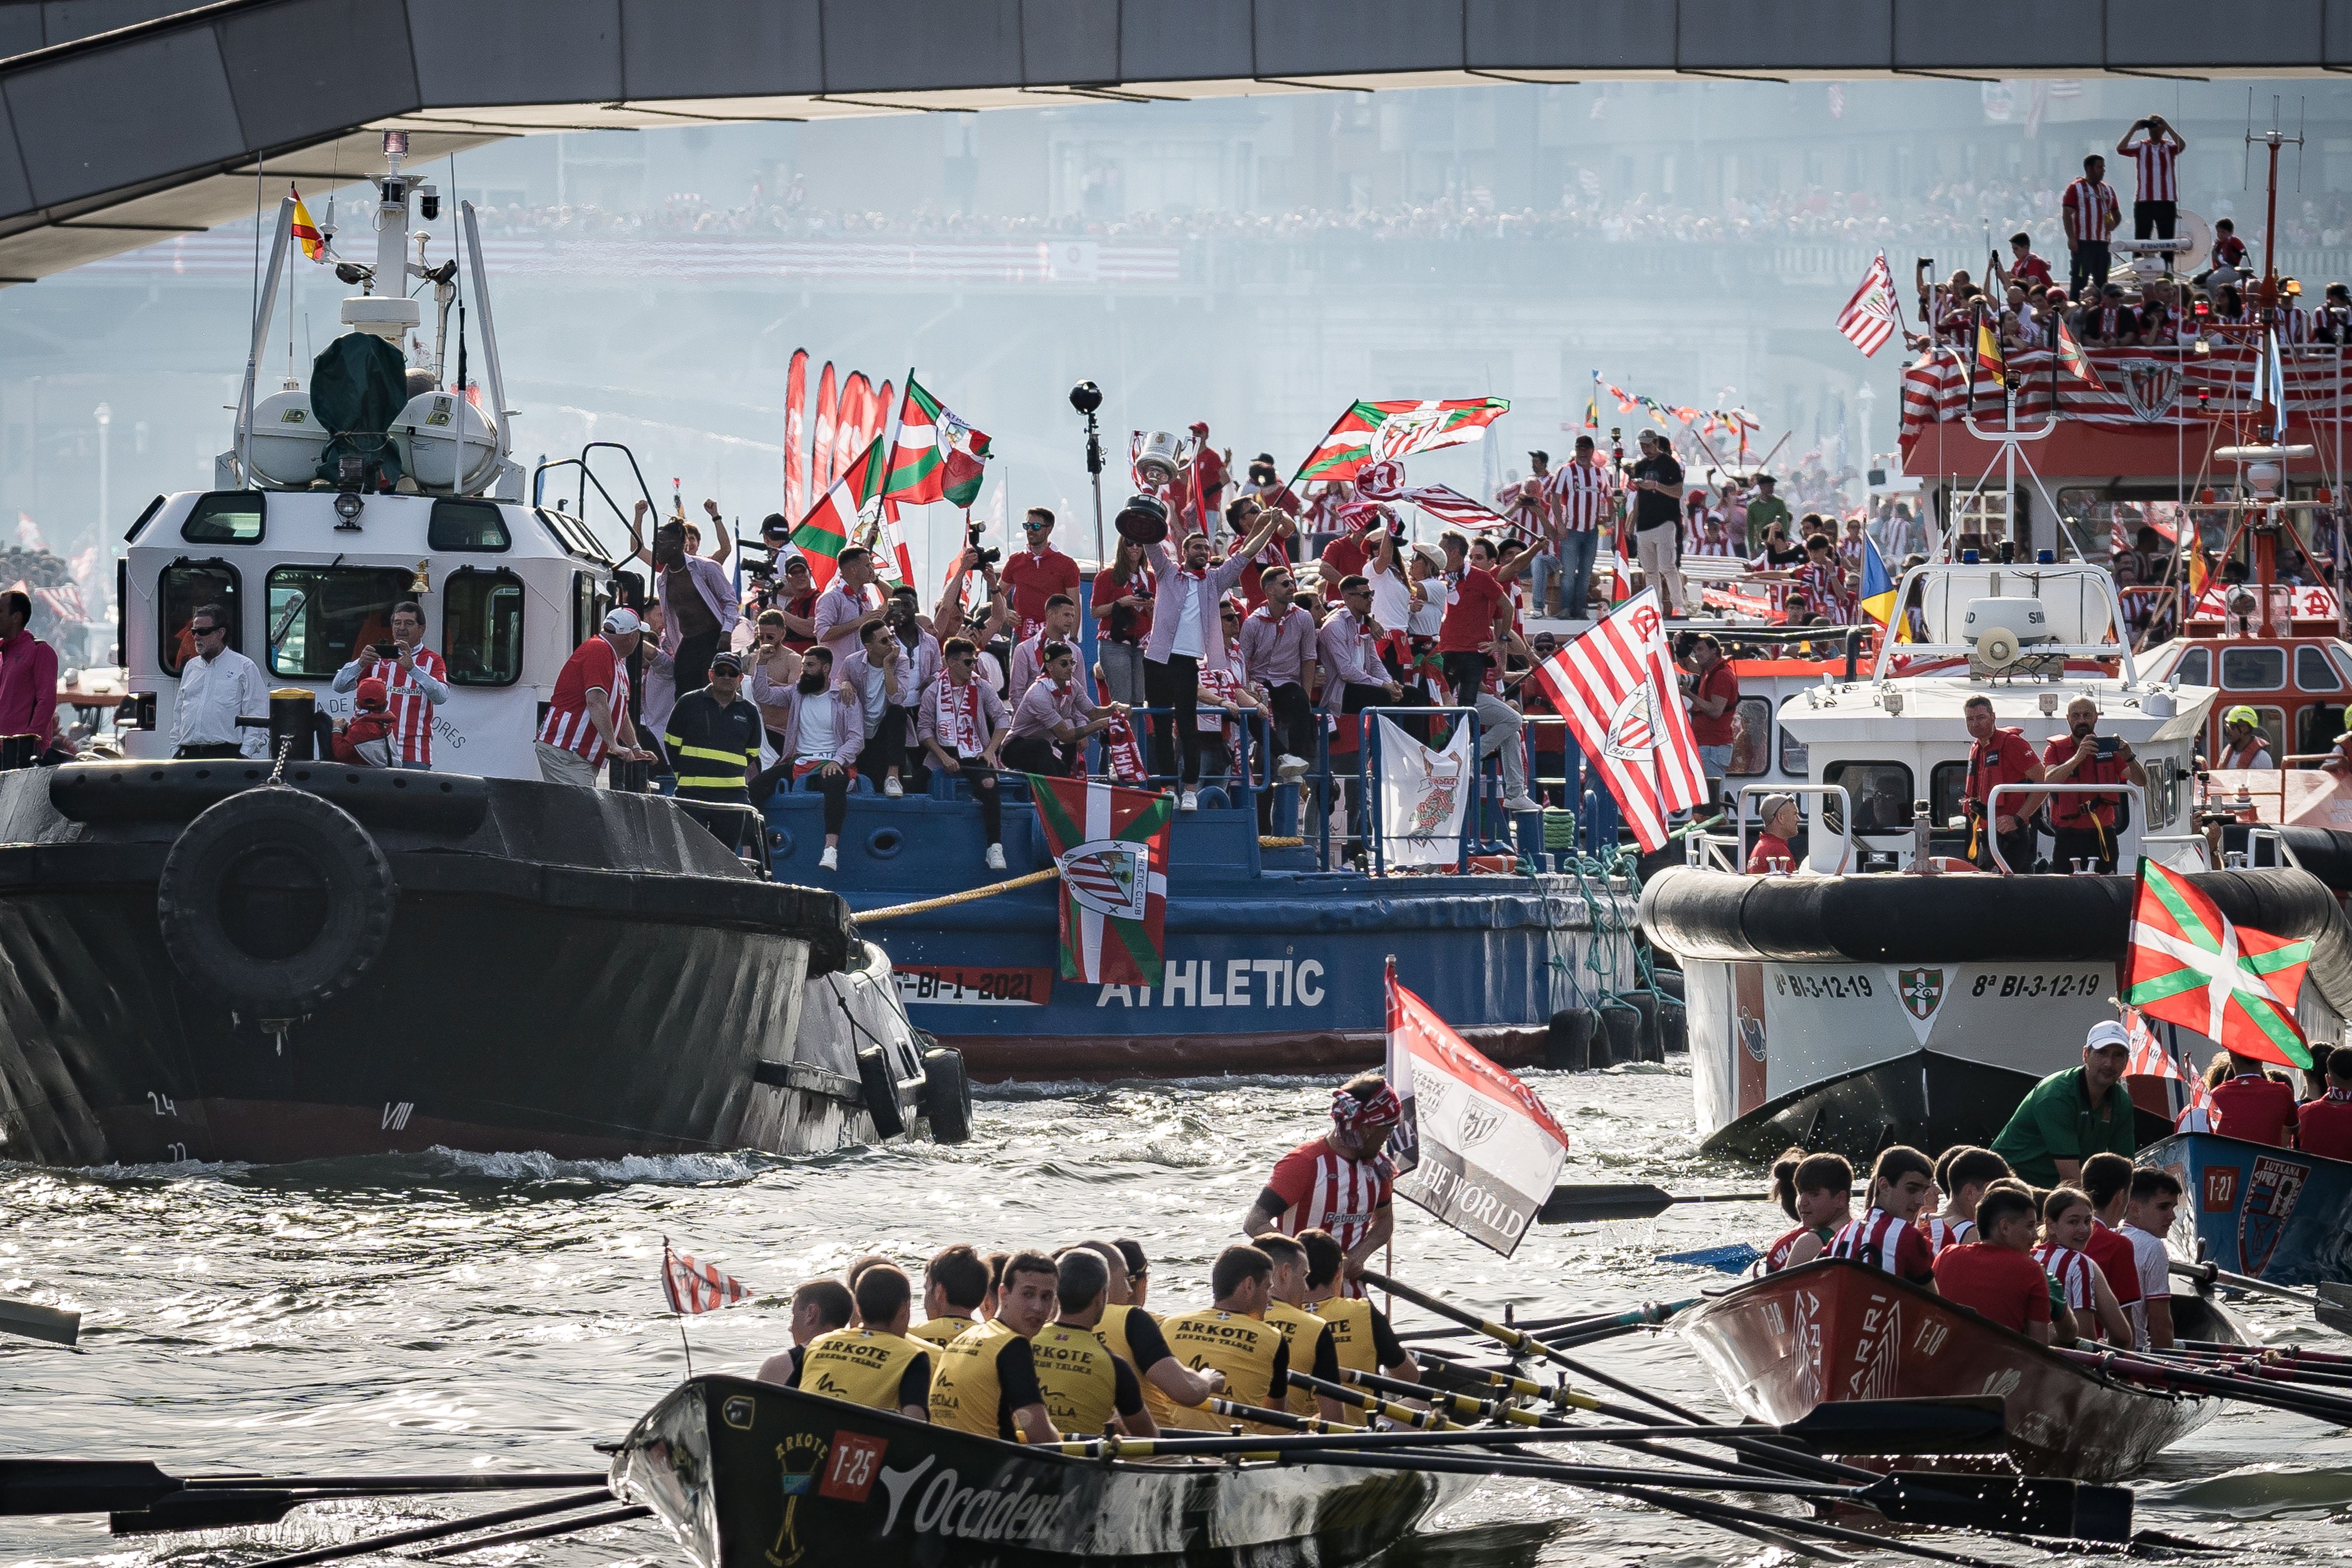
[1343, 1182]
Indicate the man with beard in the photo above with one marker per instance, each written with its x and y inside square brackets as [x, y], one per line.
[2084, 824]
[698, 607]
[828, 728]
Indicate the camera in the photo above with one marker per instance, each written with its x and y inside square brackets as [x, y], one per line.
[387, 650]
[990, 557]
[1086, 397]
[2104, 745]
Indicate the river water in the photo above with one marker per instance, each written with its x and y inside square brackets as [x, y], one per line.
[451, 1311]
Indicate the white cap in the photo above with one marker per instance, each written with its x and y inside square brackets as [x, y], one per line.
[2106, 1034]
[622, 622]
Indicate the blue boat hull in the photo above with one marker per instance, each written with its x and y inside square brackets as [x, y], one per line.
[2274, 1214]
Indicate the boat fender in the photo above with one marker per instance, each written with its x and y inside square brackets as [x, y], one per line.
[1568, 1043]
[881, 1091]
[1652, 1044]
[1621, 1032]
[947, 1095]
[275, 901]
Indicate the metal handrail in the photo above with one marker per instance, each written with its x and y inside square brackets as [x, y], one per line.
[1368, 799]
[2120, 786]
[1845, 816]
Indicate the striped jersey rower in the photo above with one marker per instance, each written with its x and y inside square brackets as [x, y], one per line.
[1342, 1183]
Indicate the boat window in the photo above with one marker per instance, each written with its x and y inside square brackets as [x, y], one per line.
[1795, 757]
[2312, 673]
[467, 525]
[183, 586]
[321, 618]
[571, 533]
[1946, 784]
[140, 526]
[225, 517]
[590, 600]
[1751, 738]
[2195, 668]
[2253, 668]
[484, 628]
[1880, 792]
[2316, 727]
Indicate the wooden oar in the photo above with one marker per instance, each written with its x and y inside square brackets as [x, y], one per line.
[541, 1531]
[1567, 1322]
[371, 1544]
[37, 1322]
[123, 1486]
[2228, 1386]
[1593, 1202]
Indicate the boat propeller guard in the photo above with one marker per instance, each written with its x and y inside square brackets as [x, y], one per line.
[275, 901]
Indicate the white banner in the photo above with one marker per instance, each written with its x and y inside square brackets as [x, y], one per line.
[1425, 796]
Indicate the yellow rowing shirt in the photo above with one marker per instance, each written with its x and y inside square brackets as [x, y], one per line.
[1134, 1336]
[1078, 1377]
[865, 1366]
[942, 1332]
[982, 1379]
[1249, 1350]
[1300, 1330]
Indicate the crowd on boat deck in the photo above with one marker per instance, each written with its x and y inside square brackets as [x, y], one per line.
[1033, 1345]
[2052, 1232]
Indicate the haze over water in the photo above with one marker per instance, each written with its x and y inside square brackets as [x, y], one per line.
[448, 1312]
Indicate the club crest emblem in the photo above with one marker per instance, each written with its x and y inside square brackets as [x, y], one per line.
[2151, 388]
[1480, 1121]
[1922, 991]
[2271, 1195]
[1751, 1033]
[1634, 729]
[1112, 876]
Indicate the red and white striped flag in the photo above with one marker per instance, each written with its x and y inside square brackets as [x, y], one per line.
[694, 1286]
[1615, 686]
[1869, 317]
[2150, 1059]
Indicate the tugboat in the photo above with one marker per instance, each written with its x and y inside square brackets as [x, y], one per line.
[278, 957]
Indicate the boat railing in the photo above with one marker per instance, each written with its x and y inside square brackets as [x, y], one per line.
[2139, 806]
[2282, 852]
[2180, 851]
[1826, 791]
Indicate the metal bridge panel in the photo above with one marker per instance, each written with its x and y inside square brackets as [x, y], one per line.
[96, 122]
[1356, 38]
[1068, 41]
[1543, 36]
[1807, 36]
[870, 46]
[311, 68]
[2266, 35]
[1994, 35]
[470, 53]
[2335, 27]
[20, 29]
[678, 49]
[62, 21]
[1203, 42]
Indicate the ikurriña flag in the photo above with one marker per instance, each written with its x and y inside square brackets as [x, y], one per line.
[1111, 845]
[831, 524]
[694, 1286]
[2189, 964]
[1376, 432]
[1476, 1148]
[1615, 686]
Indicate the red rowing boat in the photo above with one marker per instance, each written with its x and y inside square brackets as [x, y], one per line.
[1838, 1329]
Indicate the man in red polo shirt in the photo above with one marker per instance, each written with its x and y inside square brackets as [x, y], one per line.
[1477, 620]
[2252, 1105]
[1713, 710]
[2106, 1181]
[2324, 1126]
[1035, 574]
[1345, 556]
[2084, 824]
[1996, 1275]
[1997, 756]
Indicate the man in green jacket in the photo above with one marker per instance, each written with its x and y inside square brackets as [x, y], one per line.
[1765, 511]
[2072, 1115]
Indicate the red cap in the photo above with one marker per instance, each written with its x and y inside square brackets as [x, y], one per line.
[372, 693]
[1200, 426]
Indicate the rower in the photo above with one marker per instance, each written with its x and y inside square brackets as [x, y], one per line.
[1138, 1270]
[955, 1282]
[1964, 1172]
[1134, 1336]
[996, 1262]
[2324, 1126]
[2107, 1180]
[1084, 1385]
[855, 1271]
[1342, 1181]
[987, 1381]
[2065, 1226]
[1114, 1268]
[1887, 1236]
[1817, 1192]
[819, 1306]
[874, 1365]
[2253, 1106]
[2148, 1220]
[1233, 1337]
[1359, 1331]
[1995, 1276]
[1288, 1311]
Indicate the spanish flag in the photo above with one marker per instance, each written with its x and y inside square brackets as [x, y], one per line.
[1877, 586]
[2198, 571]
[1988, 357]
[306, 233]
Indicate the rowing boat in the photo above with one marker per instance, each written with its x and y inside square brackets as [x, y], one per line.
[1836, 1330]
[2274, 1214]
[753, 1475]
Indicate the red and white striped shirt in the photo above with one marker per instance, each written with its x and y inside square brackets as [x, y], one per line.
[1582, 495]
[2091, 212]
[1942, 1233]
[2155, 157]
[1883, 1242]
[410, 708]
[2071, 1269]
[594, 665]
[1326, 1190]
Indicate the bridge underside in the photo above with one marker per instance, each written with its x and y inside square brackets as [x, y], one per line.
[170, 126]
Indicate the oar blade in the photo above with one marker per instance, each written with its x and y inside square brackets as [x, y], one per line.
[2014, 1505]
[223, 1508]
[37, 1322]
[79, 1486]
[1594, 1202]
[1964, 1426]
[2334, 1308]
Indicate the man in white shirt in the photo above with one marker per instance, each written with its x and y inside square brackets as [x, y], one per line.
[1186, 637]
[217, 687]
[882, 676]
[828, 730]
[2155, 1195]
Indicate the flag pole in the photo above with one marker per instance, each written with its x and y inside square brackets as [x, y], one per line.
[669, 1293]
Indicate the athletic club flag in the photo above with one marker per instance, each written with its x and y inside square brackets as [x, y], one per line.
[1111, 846]
[1476, 1148]
[937, 456]
[1376, 432]
[1615, 686]
[694, 1286]
[2187, 964]
[2150, 1059]
[1869, 317]
[852, 499]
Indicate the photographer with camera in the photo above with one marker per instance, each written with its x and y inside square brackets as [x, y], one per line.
[1122, 611]
[982, 625]
[1035, 574]
[2084, 824]
[415, 682]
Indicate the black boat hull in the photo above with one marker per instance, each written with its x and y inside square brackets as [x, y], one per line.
[751, 1474]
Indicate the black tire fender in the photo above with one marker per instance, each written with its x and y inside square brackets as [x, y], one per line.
[947, 1095]
[275, 901]
[881, 1087]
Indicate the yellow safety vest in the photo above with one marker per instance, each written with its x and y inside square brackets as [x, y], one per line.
[1077, 1376]
[965, 1396]
[1243, 1347]
[942, 1332]
[1300, 1329]
[1350, 1320]
[863, 1366]
[1112, 1331]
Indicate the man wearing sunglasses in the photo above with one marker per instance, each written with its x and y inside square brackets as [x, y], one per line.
[1053, 719]
[1035, 574]
[217, 687]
